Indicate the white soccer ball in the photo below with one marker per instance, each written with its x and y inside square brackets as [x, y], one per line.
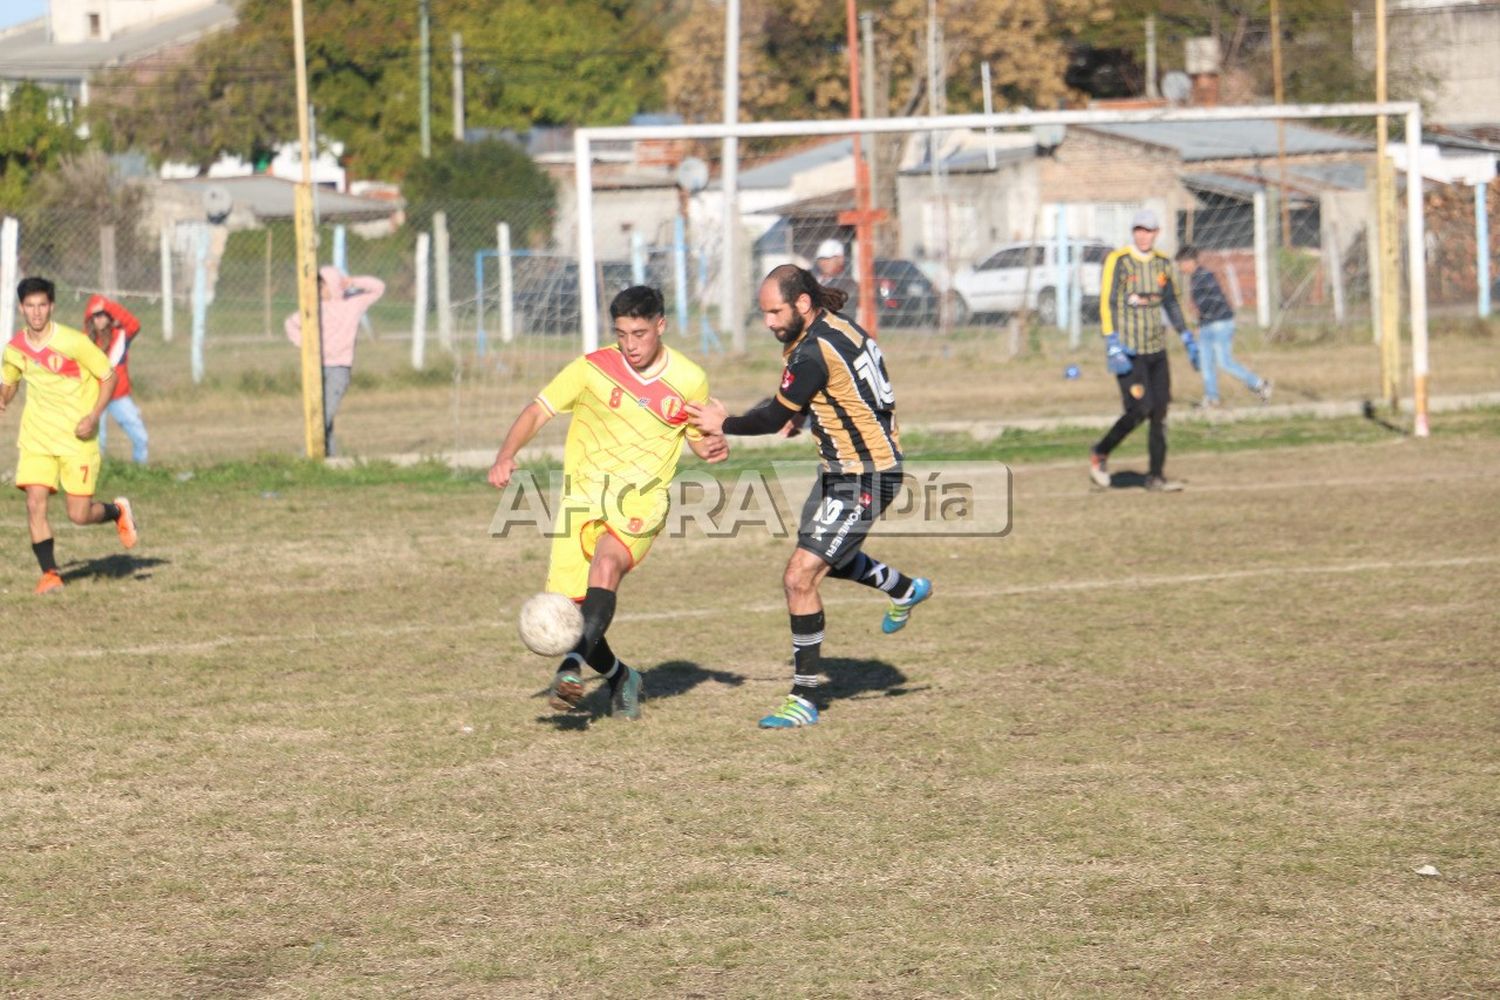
[551, 624]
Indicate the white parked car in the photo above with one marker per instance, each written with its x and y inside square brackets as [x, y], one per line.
[1021, 276]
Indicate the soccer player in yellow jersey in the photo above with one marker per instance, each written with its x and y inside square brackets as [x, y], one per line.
[68, 385]
[629, 412]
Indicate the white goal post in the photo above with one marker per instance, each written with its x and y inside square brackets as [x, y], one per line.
[585, 138]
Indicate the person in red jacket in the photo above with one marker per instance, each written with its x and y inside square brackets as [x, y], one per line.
[112, 328]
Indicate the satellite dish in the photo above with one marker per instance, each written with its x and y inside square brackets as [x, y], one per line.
[692, 175]
[1048, 136]
[1177, 86]
[217, 203]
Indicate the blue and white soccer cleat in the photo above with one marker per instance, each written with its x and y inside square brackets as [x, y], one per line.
[625, 697]
[794, 713]
[900, 611]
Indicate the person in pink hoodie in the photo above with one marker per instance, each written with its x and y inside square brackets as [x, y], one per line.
[342, 303]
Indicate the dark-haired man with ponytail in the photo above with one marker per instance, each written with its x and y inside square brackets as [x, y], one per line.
[836, 375]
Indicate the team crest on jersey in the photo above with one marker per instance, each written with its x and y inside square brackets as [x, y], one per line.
[864, 499]
[54, 362]
[670, 407]
[787, 378]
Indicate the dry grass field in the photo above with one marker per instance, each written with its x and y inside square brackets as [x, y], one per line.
[1189, 745]
[248, 406]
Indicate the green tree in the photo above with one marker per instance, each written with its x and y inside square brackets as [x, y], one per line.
[526, 62]
[479, 184]
[34, 135]
[794, 64]
[1317, 36]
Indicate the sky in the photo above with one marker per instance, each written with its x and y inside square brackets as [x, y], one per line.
[16, 11]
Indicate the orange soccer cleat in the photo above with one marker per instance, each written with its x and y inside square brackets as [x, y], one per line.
[50, 581]
[126, 524]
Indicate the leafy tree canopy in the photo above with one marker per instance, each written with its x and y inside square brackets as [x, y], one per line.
[793, 60]
[490, 172]
[33, 136]
[526, 62]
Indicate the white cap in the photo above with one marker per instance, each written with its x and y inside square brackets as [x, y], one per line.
[830, 248]
[1145, 219]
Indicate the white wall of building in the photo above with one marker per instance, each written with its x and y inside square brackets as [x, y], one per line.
[1455, 43]
[73, 21]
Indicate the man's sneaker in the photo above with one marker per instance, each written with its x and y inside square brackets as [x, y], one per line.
[1206, 403]
[794, 713]
[1099, 470]
[126, 524]
[1264, 390]
[900, 611]
[51, 580]
[625, 696]
[566, 691]
[1158, 484]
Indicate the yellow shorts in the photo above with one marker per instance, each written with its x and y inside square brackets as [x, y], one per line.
[78, 473]
[634, 521]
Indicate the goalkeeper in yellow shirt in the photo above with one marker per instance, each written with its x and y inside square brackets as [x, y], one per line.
[68, 385]
[628, 403]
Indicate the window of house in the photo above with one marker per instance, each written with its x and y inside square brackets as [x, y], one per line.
[94, 25]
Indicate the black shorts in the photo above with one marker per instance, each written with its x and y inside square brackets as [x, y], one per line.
[1148, 384]
[840, 510]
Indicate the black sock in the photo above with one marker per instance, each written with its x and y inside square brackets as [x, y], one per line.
[598, 610]
[111, 512]
[603, 659]
[44, 557]
[807, 655]
[871, 572]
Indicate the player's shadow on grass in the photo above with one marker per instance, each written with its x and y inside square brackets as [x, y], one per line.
[850, 679]
[1127, 480]
[665, 680]
[115, 567]
[1370, 414]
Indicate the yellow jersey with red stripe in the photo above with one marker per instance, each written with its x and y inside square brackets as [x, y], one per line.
[628, 427]
[62, 376]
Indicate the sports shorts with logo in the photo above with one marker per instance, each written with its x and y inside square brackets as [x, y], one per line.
[840, 510]
[76, 471]
[634, 517]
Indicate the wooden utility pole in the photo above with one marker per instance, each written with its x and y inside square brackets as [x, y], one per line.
[864, 216]
[1279, 96]
[307, 260]
[1152, 90]
[1385, 217]
[425, 85]
[458, 87]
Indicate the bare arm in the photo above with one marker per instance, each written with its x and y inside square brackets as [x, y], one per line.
[7, 393]
[521, 432]
[710, 447]
[89, 424]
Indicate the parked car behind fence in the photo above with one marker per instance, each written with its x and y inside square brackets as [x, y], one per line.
[1024, 276]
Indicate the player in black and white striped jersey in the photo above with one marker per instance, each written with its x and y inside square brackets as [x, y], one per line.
[834, 374]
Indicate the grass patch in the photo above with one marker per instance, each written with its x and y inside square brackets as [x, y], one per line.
[1188, 745]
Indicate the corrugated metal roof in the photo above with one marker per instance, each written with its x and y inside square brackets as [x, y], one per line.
[778, 173]
[1233, 140]
[973, 161]
[27, 55]
[273, 198]
[1243, 189]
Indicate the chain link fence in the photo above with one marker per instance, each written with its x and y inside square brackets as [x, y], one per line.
[986, 236]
